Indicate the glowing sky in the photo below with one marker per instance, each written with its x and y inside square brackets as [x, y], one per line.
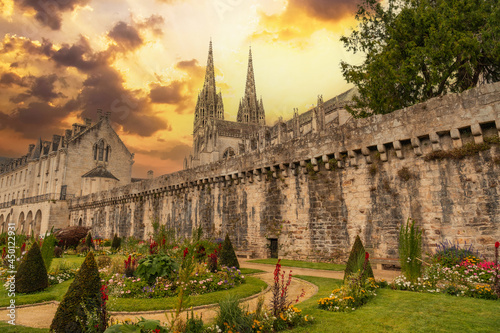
[144, 61]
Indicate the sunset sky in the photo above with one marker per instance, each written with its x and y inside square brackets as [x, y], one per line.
[144, 61]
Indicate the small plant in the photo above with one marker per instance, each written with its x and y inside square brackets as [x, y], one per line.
[410, 250]
[404, 174]
[31, 274]
[227, 255]
[155, 266]
[279, 302]
[103, 261]
[130, 266]
[230, 316]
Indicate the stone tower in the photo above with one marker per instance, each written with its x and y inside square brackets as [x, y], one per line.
[250, 109]
[208, 107]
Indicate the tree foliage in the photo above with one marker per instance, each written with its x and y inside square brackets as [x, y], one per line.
[419, 49]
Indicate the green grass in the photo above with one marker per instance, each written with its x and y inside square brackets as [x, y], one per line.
[247, 271]
[402, 311]
[8, 328]
[55, 292]
[251, 287]
[300, 264]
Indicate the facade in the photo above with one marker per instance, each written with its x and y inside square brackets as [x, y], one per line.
[35, 188]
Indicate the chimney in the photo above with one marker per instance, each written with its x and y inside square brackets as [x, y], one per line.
[68, 134]
[150, 174]
[88, 122]
[99, 115]
[30, 149]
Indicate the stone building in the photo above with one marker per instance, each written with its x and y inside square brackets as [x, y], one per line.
[35, 188]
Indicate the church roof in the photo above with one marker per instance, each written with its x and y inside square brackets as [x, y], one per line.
[99, 172]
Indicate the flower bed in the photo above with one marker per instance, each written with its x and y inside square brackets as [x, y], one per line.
[200, 283]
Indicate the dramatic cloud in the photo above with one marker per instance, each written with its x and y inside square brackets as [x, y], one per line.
[171, 94]
[9, 79]
[126, 36]
[43, 88]
[80, 56]
[301, 18]
[49, 13]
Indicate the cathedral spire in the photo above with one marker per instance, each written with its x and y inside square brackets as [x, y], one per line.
[250, 111]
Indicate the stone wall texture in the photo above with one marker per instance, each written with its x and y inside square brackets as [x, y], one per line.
[314, 194]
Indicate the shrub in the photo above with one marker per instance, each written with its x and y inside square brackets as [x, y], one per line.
[212, 262]
[88, 241]
[410, 250]
[82, 249]
[130, 266]
[71, 236]
[103, 261]
[227, 255]
[82, 298]
[354, 263]
[58, 252]
[231, 316]
[31, 274]
[117, 242]
[48, 246]
[449, 254]
[155, 266]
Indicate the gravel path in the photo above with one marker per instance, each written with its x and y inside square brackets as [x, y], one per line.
[40, 316]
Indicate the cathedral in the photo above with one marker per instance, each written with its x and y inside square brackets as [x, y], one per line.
[216, 139]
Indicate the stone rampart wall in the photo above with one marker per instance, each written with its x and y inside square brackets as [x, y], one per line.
[315, 194]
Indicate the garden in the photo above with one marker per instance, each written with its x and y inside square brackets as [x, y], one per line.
[92, 277]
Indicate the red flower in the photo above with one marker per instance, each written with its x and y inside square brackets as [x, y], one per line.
[497, 244]
[367, 255]
[23, 247]
[186, 251]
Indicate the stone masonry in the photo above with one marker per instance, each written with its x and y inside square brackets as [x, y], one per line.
[314, 193]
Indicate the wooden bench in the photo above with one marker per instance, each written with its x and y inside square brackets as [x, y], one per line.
[244, 254]
[385, 263]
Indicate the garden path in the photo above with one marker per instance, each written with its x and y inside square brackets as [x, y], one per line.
[40, 316]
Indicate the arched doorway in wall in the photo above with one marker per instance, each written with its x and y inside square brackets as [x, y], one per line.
[37, 223]
[80, 222]
[2, 223]
[29, 221]
[21, 223]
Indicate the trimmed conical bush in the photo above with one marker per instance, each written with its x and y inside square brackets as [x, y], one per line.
[89, 242]
[31, 274]
[117, 241]
[83, 296]
[227, 255]
[356, 260]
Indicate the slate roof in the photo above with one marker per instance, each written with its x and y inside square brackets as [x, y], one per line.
[99, 172]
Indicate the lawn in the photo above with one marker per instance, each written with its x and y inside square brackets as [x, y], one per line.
[55, 292]
[8, 328]
[300, 264]
[403, 311]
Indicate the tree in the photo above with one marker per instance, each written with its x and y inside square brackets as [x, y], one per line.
[419, 49]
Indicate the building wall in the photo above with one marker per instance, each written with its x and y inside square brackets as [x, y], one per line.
[316, 193]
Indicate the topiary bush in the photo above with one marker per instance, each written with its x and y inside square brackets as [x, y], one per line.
[49, 243]
[356, 260]
[58, 252]
[88, 242]
[117, 242]
[82, 299]
[31, 274]
[227, 255]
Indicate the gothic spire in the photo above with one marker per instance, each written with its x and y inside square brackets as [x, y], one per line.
[250, 111]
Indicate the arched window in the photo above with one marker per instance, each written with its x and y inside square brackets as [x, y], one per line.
[95, 152]
[101, 150]
[108, 152]
[228, 153]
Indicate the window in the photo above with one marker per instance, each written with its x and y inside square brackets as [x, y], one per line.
[108, 152]
[101, 150]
